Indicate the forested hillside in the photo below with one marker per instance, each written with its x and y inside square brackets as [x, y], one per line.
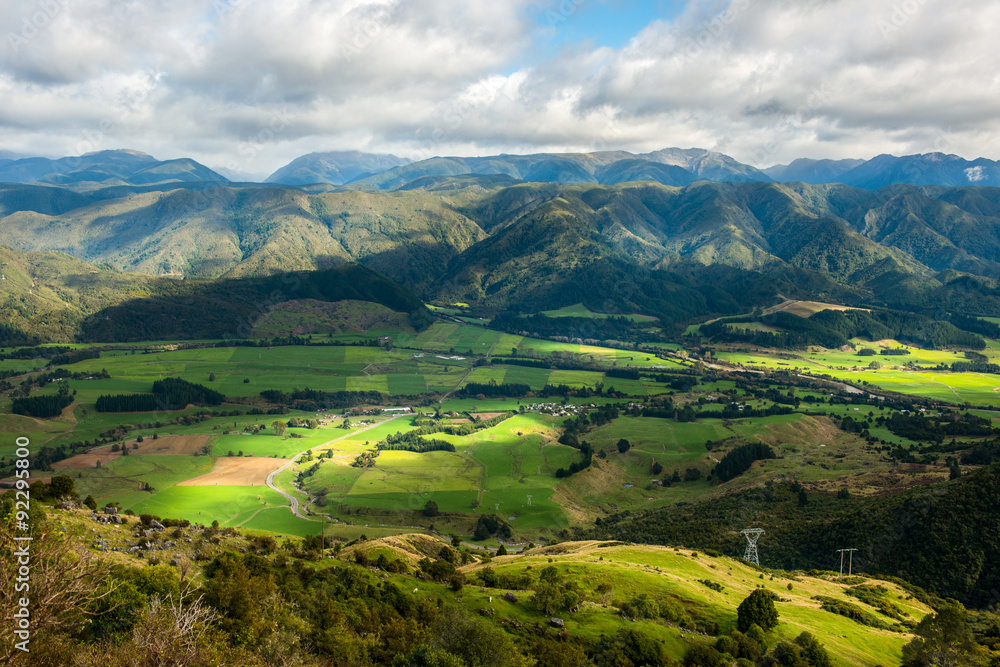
[50, 296]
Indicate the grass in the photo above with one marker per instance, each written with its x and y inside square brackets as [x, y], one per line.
[126, 475]
[894, 375]
[665, 573]
[285, 368]
[580, 310]
[496, 470]
[501, 465]
[229, 505]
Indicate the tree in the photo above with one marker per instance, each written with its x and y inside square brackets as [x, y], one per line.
[943, 640]
[279, 427]
[757, 609]
[623, 446]
[502, 550]
[812, 651]
[473, 640]
[62, 485]
[211, 377]
[65, 585]
[430, 509]
[90, 502]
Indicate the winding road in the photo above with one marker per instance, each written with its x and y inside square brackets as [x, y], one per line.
[292, 499]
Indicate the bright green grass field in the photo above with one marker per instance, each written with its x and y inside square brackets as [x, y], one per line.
[229, 505]
[500, 465]
[279, 520]
[126, 474]
[333, 479]
[268, 444]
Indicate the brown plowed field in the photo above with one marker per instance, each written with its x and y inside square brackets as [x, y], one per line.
[237, 471]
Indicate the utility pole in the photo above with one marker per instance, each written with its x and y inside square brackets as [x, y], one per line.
[850, 565]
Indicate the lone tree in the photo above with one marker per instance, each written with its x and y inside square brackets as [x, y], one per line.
[757, 609]
[431, 508]
[62, 485]
[279, 427]
[624, 445]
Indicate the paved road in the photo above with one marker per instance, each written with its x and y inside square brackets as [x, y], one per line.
[292, 499]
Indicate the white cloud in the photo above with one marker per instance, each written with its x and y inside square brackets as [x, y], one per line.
[251, 84]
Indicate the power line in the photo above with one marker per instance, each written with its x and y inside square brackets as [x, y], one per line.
[752, 535]
[850, 565]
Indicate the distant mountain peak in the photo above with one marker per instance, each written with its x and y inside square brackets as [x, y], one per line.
[106, 167]
[334, 167]
[118, 151]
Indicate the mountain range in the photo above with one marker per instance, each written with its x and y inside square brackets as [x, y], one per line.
[497, 243]
[383, 172]
[670, 166]
[679, 234]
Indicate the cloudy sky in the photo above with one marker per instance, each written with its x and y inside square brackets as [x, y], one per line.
[250, 84]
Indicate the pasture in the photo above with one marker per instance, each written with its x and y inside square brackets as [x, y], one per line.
[580, 310]
[507, 470]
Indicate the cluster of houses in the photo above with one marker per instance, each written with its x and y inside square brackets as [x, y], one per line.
[558, 409]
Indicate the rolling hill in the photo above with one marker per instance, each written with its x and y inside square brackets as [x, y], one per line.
[50, 296]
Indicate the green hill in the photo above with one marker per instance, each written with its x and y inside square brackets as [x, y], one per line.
[50, 296]
[897, 535]
[574, 603]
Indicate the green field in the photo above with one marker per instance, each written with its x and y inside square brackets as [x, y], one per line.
[501, 466]
[493, 471]
[125, 475]
[229, 505]
[580, 310]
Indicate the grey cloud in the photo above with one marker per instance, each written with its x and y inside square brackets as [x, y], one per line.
[250, 82]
